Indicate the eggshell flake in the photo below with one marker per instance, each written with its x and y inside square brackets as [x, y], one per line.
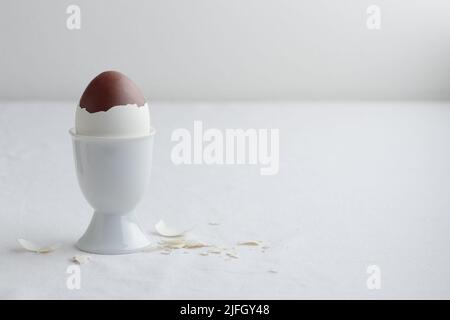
[81, 259]
[250, 243]
[34, 247]
[166, 231]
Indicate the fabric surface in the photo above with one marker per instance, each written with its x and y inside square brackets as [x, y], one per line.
[359, 184]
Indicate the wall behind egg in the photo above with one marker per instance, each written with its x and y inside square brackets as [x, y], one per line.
[229, 49]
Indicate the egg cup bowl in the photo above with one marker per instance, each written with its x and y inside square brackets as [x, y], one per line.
[113, 174]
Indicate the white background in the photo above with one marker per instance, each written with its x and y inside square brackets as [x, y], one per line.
[359, 184]
[229, 49]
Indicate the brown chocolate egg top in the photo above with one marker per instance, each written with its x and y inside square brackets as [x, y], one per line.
[110, 89]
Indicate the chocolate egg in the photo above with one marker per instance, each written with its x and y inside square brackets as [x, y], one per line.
[110, 89]
[112, 106]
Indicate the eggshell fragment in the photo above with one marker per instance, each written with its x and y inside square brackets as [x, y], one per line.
[193, 244]
[249, 243]
[181, 243]
[81, 259]
[166, 231]
[232, 255]
[34, 247]
[173, 243]
[215, 251]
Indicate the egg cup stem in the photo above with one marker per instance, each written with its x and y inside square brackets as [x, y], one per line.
[113, 234]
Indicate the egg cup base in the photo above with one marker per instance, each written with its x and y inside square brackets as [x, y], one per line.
[113, 234]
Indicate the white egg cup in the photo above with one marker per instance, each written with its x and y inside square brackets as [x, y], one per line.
[113, 174]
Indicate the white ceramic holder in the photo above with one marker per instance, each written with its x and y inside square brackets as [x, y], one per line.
[113, 174]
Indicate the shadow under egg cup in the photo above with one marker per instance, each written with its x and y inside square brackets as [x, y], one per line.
[113, 174]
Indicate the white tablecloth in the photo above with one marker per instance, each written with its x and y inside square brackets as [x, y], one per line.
[359, 184]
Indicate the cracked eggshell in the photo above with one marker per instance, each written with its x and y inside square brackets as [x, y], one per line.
[112, 106]
[215, 251]
[194, 244]
[119, 121]
[250, 243]
[34, 247]
[166, 231]
[81, 258]
[232, 255]
[177, 243]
